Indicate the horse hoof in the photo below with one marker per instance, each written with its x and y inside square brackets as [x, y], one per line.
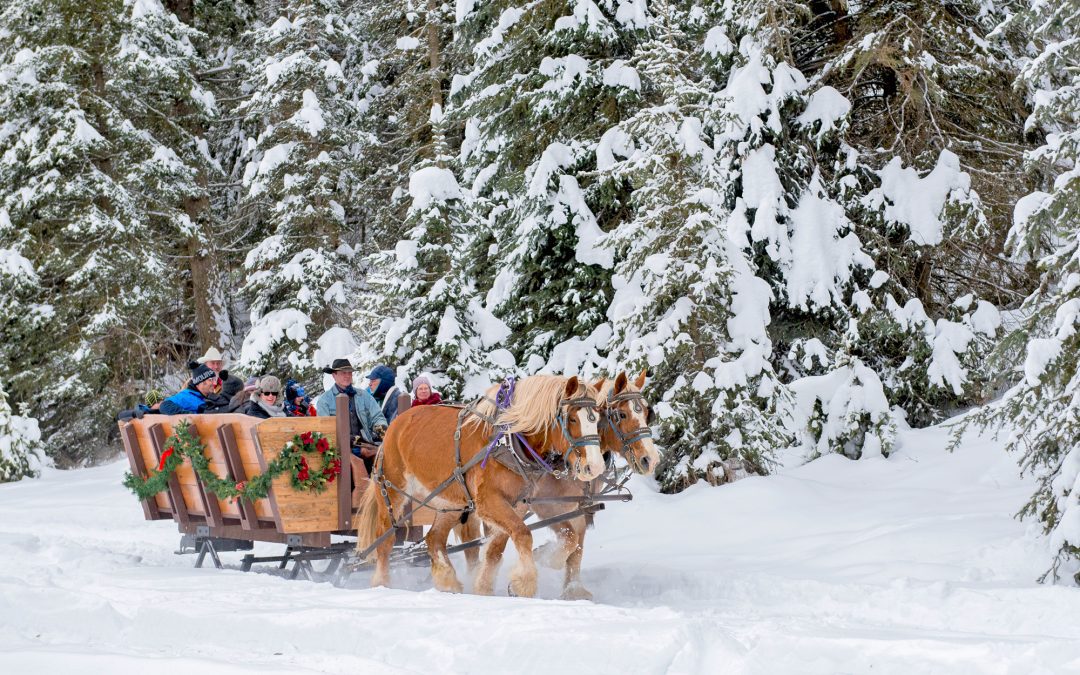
[576, 591]
[452, 586]
[519, 588]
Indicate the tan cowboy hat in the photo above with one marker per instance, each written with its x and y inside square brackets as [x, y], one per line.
[211, 354]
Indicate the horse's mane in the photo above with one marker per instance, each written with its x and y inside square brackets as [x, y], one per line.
[608, 385]
[536, 403]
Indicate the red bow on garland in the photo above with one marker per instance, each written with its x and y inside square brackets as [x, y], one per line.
[164, 456]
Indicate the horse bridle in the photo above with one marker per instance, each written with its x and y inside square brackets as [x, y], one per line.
[614, 416]
[563, 420]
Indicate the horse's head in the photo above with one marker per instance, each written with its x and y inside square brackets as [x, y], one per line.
[579, 419]
[627, 418]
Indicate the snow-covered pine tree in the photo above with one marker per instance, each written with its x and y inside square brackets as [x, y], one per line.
[547, 80]
[929, 162]
[1042, 411]
[73, 205]
[432, 315]
[407, 48]
[299, 179]
[156, 83]
[837, 224]
[687, 303]
[21, 453]
[435, 321]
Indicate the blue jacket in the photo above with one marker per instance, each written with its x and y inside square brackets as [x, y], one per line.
[367, 410]
[184, 402]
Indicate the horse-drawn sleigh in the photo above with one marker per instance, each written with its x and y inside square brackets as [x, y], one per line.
[543, 445]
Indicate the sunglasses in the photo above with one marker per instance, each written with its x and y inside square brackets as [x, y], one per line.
[270, 393]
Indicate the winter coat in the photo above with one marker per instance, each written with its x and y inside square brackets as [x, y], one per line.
[434, 399]
[187, 401]
[259, 409]
[367, 414]
[389, 403]
[231, 385]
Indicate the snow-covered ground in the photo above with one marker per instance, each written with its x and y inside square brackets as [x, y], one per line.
[912, 564]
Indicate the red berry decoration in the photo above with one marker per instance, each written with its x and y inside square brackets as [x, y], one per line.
[303, 477]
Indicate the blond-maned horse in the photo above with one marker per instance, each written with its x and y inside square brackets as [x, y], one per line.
[418, 455]
[623, 430]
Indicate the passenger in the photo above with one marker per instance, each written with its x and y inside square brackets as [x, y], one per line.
[297, 402]
[193, 398]
[366, 421]
[229, 384]
[381, 386]
[423, 394]
[244, 395]
[266, 400]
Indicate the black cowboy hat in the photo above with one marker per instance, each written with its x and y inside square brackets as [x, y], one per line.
[339, 365]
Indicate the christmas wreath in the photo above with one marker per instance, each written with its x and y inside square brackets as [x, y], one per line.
[185, 443]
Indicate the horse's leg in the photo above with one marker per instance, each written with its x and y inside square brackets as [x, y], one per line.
[494, 508]
[382, 560]
[574, 546]
[466, 532]
[442, 572]
[484, 581]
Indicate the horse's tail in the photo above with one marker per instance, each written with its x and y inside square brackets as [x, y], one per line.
[367, 518]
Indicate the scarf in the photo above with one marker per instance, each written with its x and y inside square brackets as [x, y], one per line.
[272, 410]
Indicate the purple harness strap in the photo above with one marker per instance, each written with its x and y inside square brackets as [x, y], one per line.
[503, 398]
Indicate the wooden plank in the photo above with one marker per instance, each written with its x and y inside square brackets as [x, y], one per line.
[248, 519]
[298, 511]
[138, 467]
[211, 506]
[344, 445]
[179, 508]
[264, 464]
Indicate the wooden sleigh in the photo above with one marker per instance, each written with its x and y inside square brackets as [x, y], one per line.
[239, 447]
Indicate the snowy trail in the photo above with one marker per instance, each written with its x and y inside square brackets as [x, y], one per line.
[911, 564]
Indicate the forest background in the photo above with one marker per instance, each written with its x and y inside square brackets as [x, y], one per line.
[814, 222]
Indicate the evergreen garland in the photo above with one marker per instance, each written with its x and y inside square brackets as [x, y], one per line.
[185, 443]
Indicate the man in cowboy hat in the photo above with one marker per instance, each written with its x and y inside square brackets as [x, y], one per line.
[228, 385]
[366, 421]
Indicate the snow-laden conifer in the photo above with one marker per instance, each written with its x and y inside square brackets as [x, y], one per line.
[686, 302]
[298, 179]
[1041, 412]
[88, 201]
[433, 316]
[546, 81]
[21, 451]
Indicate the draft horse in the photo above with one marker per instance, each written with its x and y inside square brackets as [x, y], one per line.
[555, 416]
[624, 429]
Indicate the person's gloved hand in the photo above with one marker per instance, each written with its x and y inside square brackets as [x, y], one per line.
[357, 441]
[379, 431]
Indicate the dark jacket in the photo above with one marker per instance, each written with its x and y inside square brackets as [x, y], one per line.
[231, 385]
[255, 410]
